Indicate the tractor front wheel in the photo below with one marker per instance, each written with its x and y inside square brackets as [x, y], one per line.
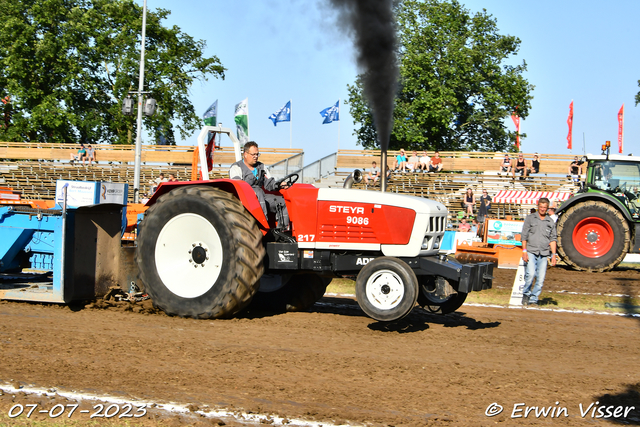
[386, 289]
[593, 236]
[200, 253]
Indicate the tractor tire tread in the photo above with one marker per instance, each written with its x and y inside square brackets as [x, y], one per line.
[567, 250]
[248, 252]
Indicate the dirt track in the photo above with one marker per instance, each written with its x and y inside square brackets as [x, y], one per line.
[333, 364]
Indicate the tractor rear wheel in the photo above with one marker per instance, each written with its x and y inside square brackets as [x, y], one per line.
[386, 289]
[200, 253]
[430, 301]
[282, 293]
[593, 236]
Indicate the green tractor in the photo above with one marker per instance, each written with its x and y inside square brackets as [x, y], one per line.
[600, 225]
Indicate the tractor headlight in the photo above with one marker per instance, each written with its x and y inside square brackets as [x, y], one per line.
[436, 243]
[425, 243]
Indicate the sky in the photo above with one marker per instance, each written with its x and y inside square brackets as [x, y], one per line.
[280, 50]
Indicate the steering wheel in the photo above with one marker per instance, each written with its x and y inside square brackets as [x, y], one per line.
[288, 180]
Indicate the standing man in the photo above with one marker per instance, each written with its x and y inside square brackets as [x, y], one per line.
[575, 169]
[254, 173]
[539, 240]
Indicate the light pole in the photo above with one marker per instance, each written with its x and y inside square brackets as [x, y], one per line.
[137, 160]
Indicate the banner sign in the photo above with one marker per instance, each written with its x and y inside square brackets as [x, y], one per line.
[503, 232]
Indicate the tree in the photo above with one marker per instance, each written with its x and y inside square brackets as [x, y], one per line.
[455, 89]
[67, 65]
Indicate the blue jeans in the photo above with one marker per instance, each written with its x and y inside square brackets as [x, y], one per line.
[535, 268]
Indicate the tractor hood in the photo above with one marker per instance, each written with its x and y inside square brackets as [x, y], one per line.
[418, 204]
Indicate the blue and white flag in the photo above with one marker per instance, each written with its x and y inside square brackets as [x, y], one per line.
[331, 114]
[282, 115]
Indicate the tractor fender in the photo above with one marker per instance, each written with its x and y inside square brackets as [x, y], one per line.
[238, 188]
[583, 197]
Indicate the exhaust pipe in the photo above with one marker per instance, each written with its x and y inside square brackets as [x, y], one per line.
[355, 177]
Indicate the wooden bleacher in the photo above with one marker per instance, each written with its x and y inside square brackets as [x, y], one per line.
[167, 154]
[33, 168]
[478, 170]
[556, 164]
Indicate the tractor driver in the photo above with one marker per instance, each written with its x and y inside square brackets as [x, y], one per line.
[604, 183]
[254, 173]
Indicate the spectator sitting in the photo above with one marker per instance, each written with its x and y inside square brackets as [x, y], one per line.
[474, 226]
[156, 182]
[400, 162]
[519, 166]
[80, 155]
[535, 164]
[464, 225]
[414, 162]
[435, 164]
[424, 162]
[91, 155]
[373, 175]
[505, 165]
[469, 202]
[389, 172]
[172, 178]
[485, 206]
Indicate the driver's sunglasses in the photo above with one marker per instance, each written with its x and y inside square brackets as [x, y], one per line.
[254, 154]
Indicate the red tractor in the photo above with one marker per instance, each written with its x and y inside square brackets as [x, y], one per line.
[206, 249]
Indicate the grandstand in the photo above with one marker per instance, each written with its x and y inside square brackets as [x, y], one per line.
[477, 170]
[32, 169]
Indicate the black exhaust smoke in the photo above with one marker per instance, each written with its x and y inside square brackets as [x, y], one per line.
[372, 26]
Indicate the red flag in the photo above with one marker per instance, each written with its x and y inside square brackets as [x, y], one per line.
[620, 128]
[209, 151]
[516, 121]
[570, 123]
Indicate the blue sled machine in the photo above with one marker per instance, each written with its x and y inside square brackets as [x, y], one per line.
[72, 252]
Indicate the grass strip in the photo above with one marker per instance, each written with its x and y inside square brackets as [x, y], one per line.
[555, 300]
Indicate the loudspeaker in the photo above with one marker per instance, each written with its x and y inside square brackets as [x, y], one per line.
[149, 107]
[127, 107]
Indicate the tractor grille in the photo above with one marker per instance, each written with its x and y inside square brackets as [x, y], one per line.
[437, 224]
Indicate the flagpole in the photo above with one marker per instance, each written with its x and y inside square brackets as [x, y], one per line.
[622, 139]
[138, 150]
[338, 123]
[290, 123]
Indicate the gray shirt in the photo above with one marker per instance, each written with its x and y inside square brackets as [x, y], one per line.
[261, 178]
[538, 233]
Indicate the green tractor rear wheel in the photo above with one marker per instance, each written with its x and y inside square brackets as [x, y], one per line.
[593, 236]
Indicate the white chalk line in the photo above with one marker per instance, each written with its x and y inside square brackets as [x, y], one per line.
[174, 408]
